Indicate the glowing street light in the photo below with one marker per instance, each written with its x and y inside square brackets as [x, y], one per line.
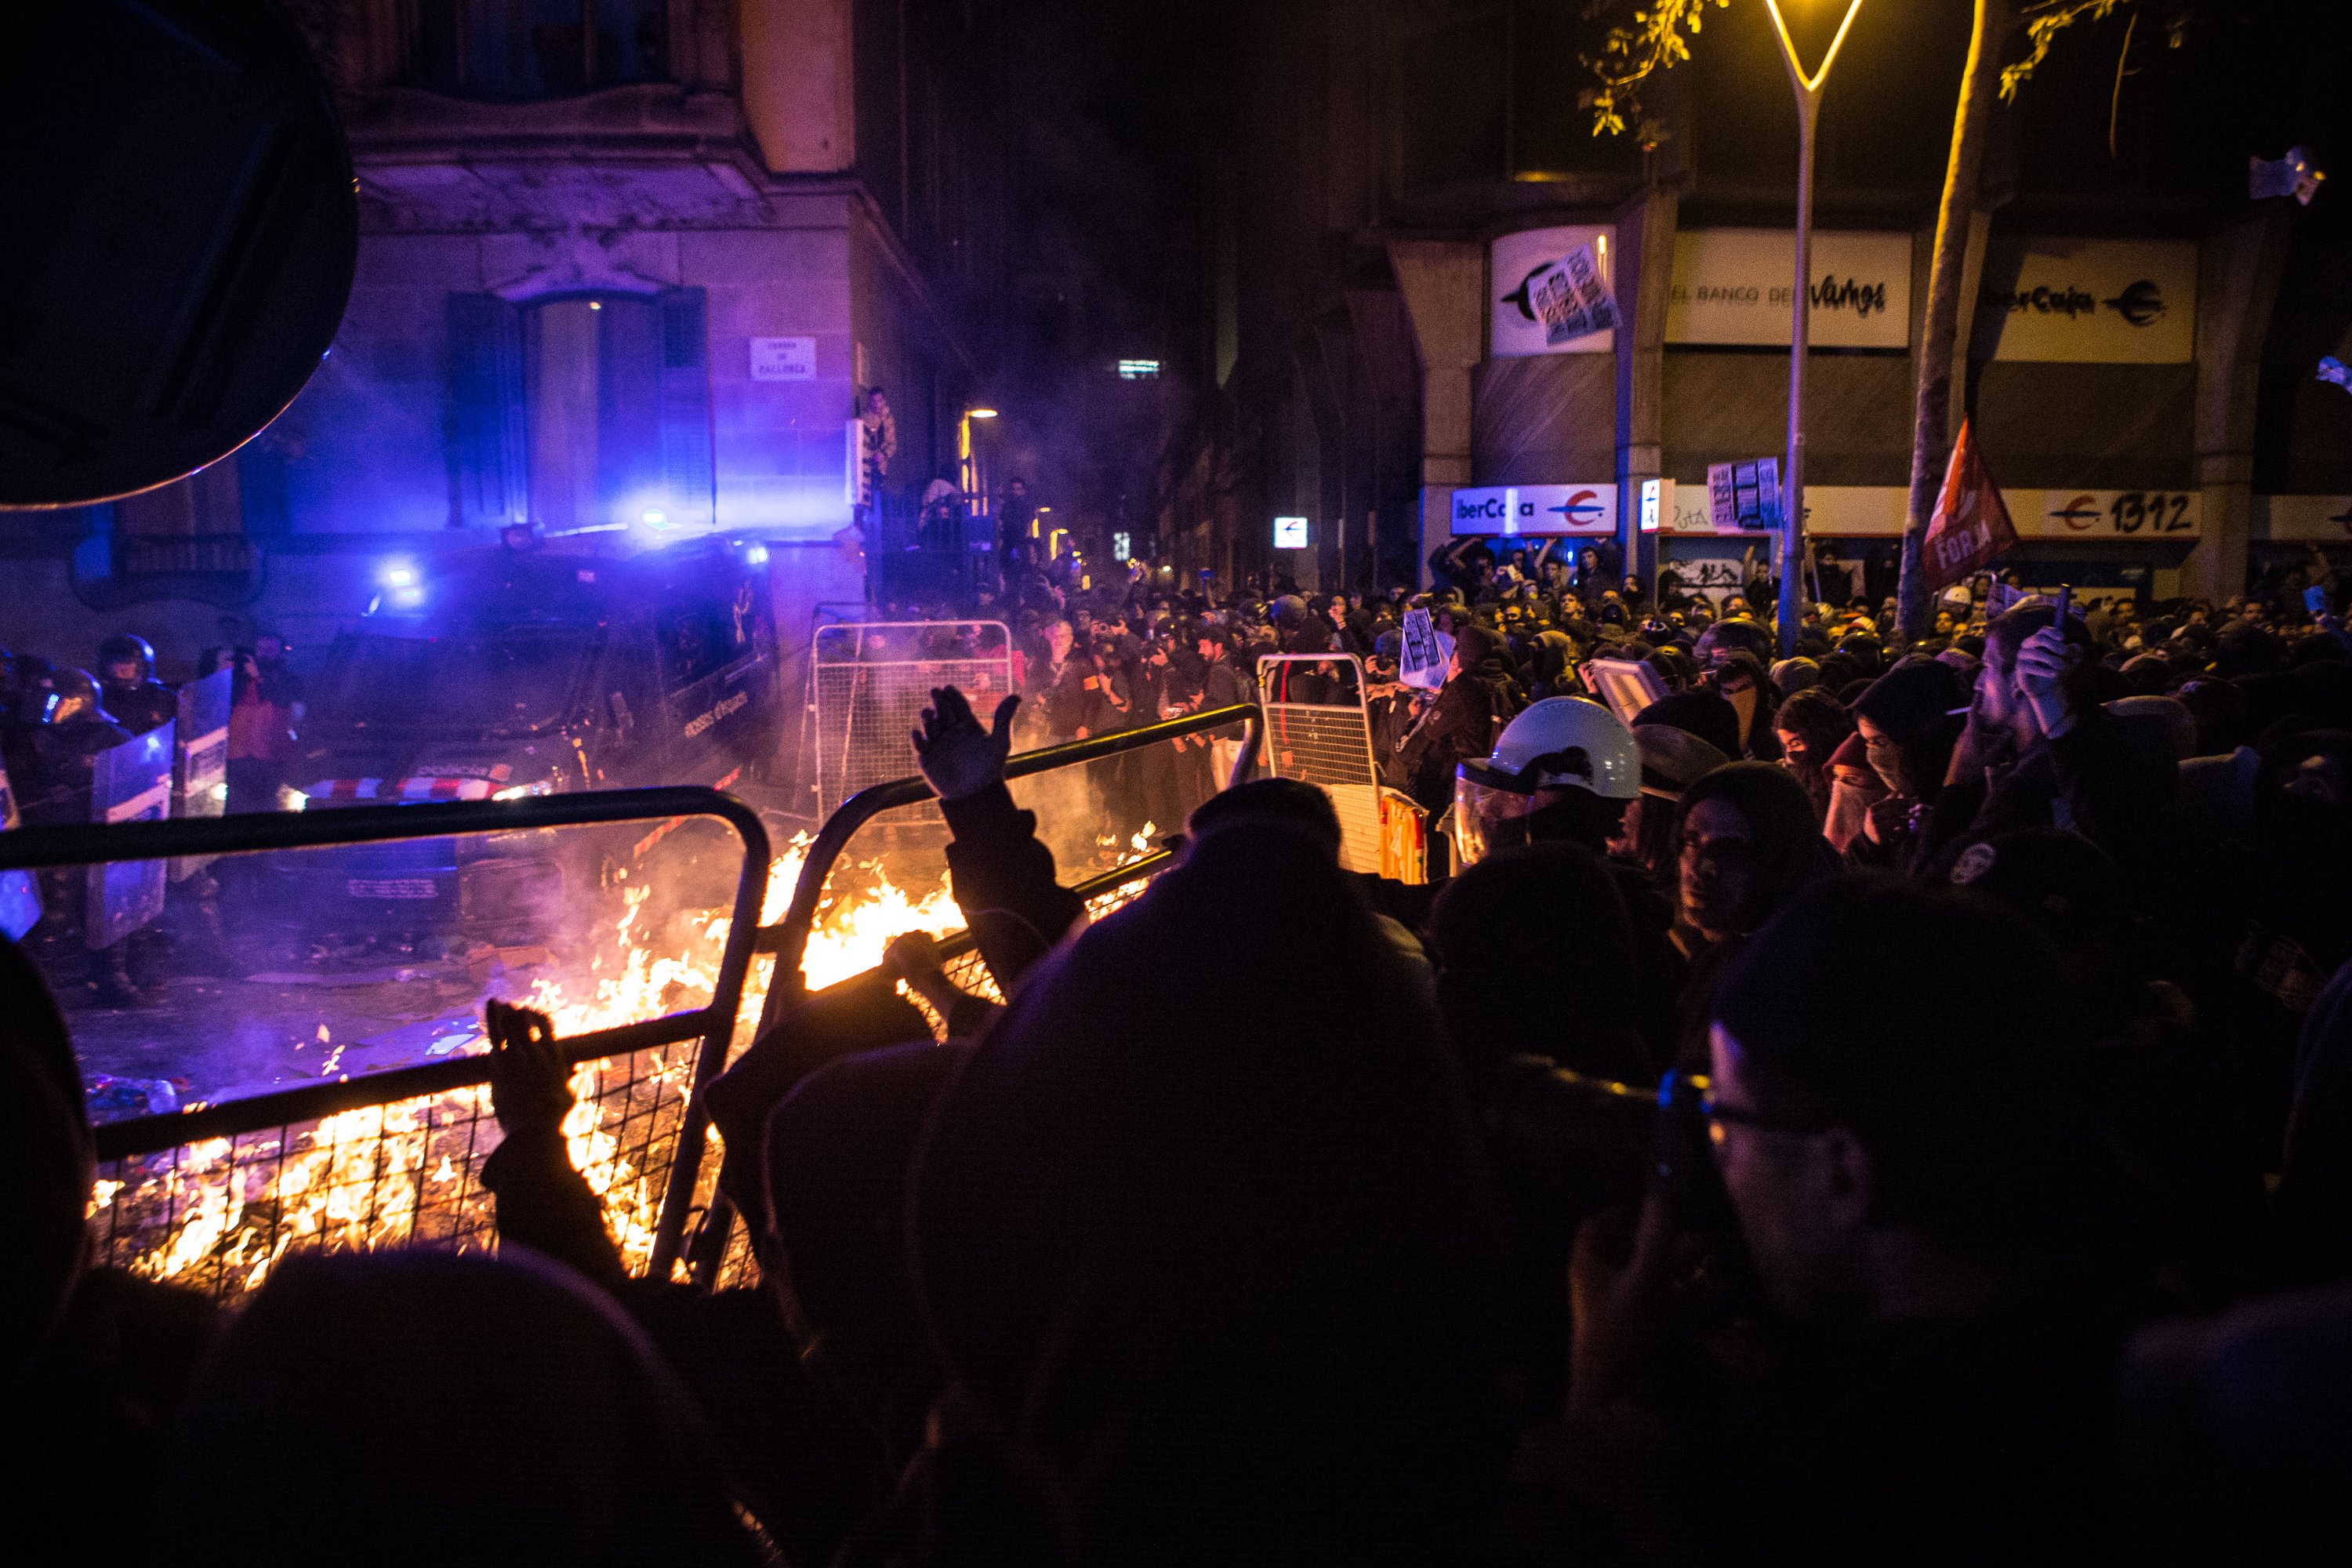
[1793, 484]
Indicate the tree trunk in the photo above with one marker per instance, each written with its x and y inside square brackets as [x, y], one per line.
[1932, 406]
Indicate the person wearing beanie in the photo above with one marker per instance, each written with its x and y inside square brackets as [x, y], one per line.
[1700, 713]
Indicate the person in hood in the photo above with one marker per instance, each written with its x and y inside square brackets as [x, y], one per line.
[1747, 845]
[1480, 695]
[1203, 1295]
[1909, 724]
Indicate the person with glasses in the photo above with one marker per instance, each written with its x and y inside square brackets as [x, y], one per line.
[1893, 1105]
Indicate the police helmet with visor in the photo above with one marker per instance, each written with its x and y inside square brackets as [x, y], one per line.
[1558, 744]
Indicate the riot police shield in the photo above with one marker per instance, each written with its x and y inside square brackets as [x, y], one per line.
[128, 782]
[20, 891]
[200, 759]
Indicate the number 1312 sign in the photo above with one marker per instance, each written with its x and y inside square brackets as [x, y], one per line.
[2119, 514]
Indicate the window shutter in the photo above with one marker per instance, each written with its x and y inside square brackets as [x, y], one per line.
[488, 460]
[685, 408]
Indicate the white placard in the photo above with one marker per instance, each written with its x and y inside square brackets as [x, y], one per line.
[1734, 285]
[1534, 510]
[1290, 533]
[784, 359]
[1516, 260]
[2108, 301]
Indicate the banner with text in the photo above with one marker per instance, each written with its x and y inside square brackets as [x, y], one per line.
[1734, 286]
[2106, 301]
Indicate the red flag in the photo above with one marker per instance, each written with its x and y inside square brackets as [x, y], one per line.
[1970, 525]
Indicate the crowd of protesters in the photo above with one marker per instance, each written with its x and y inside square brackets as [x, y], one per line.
[1887, 1104]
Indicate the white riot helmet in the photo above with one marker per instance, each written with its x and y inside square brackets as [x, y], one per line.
[1560, 743]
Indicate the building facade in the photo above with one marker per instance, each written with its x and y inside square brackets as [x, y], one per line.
[2138, 336]
[627, 266]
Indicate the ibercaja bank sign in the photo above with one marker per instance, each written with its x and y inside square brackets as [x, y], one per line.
[1539, 511]
[2105, 301]
[1737, 286]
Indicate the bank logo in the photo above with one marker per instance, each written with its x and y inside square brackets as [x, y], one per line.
[2141, 304]
[1581, 507]
[1518, 296]
[2079, 513]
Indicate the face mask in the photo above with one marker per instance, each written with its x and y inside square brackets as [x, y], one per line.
[1743, 702]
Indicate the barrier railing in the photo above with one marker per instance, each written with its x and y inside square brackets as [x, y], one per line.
[712, 1024]
[711, 1028]
[788, 938]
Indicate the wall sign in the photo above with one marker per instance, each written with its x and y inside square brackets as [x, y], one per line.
[2112, 514]
[1876, 512]
[784, 359]
[2319, 519]
[1290, 533]
[1733, 286]
[1539, 511]
[2108, 301]
[1517, 260]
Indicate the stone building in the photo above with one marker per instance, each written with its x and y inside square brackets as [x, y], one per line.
[626, 265]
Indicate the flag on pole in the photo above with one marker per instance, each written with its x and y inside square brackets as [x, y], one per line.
[1970, 525]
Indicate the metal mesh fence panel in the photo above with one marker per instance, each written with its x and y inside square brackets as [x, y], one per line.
[217, 1216]
[1329, 742]
[872, 682]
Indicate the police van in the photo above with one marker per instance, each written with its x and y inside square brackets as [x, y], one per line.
[505, 673]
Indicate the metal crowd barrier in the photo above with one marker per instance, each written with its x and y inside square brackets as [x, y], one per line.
[712, 1024]
[788, 938]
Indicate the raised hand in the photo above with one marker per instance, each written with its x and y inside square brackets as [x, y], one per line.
[531, 1085]
[957, 757]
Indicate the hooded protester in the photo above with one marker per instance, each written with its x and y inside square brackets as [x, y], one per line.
[1480, 695]
[1494, 934]
[345, 1376]
[98, 1357]
[1700, 713]
[1748, 844]
[1174, 1268]
[1812, 725]
[1908, 727]
[1739, 680]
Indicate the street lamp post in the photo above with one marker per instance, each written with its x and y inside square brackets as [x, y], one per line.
[1792, 486]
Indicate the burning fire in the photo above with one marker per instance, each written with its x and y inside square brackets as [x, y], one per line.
[223, 1212]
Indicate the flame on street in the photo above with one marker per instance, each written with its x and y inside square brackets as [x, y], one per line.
[217, 1215]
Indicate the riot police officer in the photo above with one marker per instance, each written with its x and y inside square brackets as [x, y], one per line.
[75, 727]
[126, 667]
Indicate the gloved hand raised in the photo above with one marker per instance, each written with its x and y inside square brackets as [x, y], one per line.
[958, 758]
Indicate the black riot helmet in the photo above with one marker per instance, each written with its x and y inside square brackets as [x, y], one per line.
[76, 696]
[126, 647]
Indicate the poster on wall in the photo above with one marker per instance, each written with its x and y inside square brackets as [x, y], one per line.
[1733, 286]
[1516, 261]
[2104, 302]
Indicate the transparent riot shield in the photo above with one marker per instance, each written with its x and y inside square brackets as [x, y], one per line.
[128, 782]
[20, 891]
[200, 758]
